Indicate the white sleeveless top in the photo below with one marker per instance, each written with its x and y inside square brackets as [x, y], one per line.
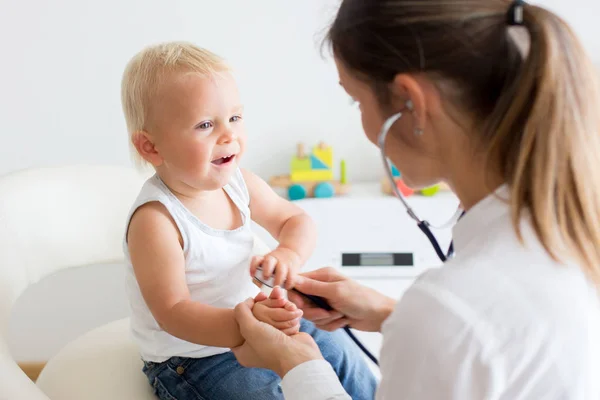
[217, 264]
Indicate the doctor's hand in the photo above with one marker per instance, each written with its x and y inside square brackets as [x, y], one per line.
[353, 304]
[268, 347]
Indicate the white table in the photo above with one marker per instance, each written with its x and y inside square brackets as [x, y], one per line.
[368, 221]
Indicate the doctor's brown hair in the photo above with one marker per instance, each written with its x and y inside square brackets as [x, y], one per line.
[537, 110]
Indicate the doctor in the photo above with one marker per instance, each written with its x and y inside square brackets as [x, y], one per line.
[500, 101]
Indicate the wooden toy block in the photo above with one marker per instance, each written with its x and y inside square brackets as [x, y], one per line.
[324, 190]
[296, 192]
[444, 187]
[300, 164]
[324, 156]
[301, 189]
[430, 191]
[405, 190]
[317, 164]
[311, 175]
[314, 175]
[387, 188]
[300, 151]
[343, 177]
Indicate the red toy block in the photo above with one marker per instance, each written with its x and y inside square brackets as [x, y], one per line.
[405, 190]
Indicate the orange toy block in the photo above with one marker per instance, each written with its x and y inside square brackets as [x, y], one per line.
[405, 190]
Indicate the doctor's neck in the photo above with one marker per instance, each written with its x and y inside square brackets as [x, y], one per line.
[465, 166]
[472, 182]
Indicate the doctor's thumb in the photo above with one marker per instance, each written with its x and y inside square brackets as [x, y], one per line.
[311, 286]
[245, 319]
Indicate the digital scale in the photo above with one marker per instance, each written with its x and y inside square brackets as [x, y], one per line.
[372, 237]
[378, 260]
[375, 265]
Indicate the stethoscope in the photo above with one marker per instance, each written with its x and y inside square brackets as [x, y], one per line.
[422, 224]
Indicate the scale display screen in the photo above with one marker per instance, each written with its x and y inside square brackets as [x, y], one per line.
[377, 260]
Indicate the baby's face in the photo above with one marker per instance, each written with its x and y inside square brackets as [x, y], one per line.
[198, 129]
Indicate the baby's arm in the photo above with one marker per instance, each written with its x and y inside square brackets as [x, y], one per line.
[289, 224]
[156, 252]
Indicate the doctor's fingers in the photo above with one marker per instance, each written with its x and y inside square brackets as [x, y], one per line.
[250, 327]
[299, 300]
[325, 320]
[311, 310]
[334, 325]
[308, 306]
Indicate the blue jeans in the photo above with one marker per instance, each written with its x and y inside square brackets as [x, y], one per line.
[222, 377]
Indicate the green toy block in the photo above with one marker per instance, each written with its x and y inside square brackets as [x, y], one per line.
[430, 191]
[343, 178]
[300, 164]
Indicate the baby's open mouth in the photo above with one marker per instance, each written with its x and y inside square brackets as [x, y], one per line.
[224, 160]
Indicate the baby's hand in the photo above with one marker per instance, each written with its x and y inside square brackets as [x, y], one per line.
[277, 311]
[283, 261]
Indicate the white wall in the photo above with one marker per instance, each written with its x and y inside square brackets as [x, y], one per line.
[62, 61]
[59, 103]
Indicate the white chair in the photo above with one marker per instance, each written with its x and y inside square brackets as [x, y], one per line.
[56, 218]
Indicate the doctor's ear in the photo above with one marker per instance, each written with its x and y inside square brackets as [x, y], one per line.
[408, 95]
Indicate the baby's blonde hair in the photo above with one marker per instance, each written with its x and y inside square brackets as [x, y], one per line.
[147, 70]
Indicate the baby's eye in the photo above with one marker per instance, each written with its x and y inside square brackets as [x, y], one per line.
[235, 118]
[204, 125]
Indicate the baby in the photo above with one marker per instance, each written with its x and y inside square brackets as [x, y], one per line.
[189, 243]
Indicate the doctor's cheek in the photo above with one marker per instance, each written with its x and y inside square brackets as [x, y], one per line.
[369, 129]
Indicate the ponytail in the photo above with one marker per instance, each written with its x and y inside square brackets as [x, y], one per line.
[546, 140]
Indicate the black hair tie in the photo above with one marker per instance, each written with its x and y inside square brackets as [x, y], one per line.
[515, 13]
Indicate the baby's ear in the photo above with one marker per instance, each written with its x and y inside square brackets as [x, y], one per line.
[144, 145]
